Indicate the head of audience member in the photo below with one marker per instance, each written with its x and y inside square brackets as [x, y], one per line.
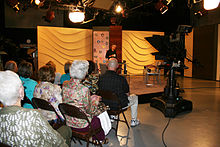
[112, 64]
[52, 65]
[11, 65]
[25, 69]
[45, 74]
[91, 67]
[67, 67]
[11, 89]
[79, 69]
[114, 47]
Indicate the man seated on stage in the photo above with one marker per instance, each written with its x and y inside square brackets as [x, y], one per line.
[111, 53]
[111, 81]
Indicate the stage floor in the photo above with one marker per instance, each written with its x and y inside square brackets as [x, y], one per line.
[138, 85]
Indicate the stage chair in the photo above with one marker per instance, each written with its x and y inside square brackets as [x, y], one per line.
[110, 99]
[45, 105]
[154, 71]
[73, 111]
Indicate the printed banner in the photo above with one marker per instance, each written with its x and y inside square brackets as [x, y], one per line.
[100, 46]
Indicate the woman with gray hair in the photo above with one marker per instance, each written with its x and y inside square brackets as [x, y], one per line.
[77, 94]
[20, 126]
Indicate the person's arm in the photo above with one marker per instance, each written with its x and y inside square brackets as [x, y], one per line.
[107, 54]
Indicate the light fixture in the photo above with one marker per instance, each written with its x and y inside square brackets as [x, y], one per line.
[211, 4]
[161, 7]
[37, 2]
[50, 15]
[76, 16]
[118, 8]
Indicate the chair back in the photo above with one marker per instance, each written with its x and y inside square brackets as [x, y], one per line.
[110, 99]
[72, 111]
[45, 105]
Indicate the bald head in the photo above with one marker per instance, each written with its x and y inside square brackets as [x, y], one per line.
[112, 64]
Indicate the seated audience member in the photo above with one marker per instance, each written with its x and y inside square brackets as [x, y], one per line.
[24, 127]
[66, 76]
[57, 74]
[91, 78]
[25, 71]
[76, 94]
[111, 81]
[11, 65]
[48, 91]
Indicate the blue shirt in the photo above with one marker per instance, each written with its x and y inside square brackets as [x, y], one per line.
[29, 86]
[65, 77]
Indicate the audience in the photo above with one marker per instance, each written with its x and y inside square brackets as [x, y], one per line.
[25, 71]
[24, 127]
[91, 78]
[76, 94]
[66, 76]
[111, 81]
[11, 65]
[57, 74]
[48, 91]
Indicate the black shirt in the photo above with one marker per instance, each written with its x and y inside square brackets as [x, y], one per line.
[111, 81]
[109, 53]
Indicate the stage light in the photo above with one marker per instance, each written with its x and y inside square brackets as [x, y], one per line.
[50, 15]
[14, 4]
[76, 16]
[211, 4]
[118, 8]
[37, 2]
[161, 7]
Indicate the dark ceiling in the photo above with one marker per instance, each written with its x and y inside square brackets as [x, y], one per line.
[142, 15]
[138, 14]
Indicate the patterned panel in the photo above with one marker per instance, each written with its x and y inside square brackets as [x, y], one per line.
[62, 44]
[137, 51]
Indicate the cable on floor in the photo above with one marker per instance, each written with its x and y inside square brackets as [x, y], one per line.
[164, 132]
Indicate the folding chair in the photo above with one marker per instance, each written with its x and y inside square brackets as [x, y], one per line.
[73, 111]
[45, 105]
[110, 99]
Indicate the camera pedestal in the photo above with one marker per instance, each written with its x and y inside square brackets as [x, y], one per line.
[171, 103]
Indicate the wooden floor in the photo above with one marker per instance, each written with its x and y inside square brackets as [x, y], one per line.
[139, 86]
[199, 128]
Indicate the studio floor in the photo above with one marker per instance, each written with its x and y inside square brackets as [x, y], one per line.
[199, 128]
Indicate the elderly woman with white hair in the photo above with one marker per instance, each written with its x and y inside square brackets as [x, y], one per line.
[20, 126]
[75, 93]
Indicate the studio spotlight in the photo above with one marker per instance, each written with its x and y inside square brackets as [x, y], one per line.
[118, 8]
[161, 7]
[76, 16]
[50, 15]
[211, 4]
[37, 2]
[14, 4]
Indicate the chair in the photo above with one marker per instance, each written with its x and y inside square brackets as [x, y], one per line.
[4, 145]
[45, 105]
[110, 99]
[151, 70]
[27, 100]
[73, 111]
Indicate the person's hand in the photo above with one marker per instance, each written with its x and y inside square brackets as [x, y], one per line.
[96, 97]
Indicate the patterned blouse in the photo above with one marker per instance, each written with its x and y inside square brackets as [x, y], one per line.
[91, 82]
[27, 127]
[52, 93]
[78, 95]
